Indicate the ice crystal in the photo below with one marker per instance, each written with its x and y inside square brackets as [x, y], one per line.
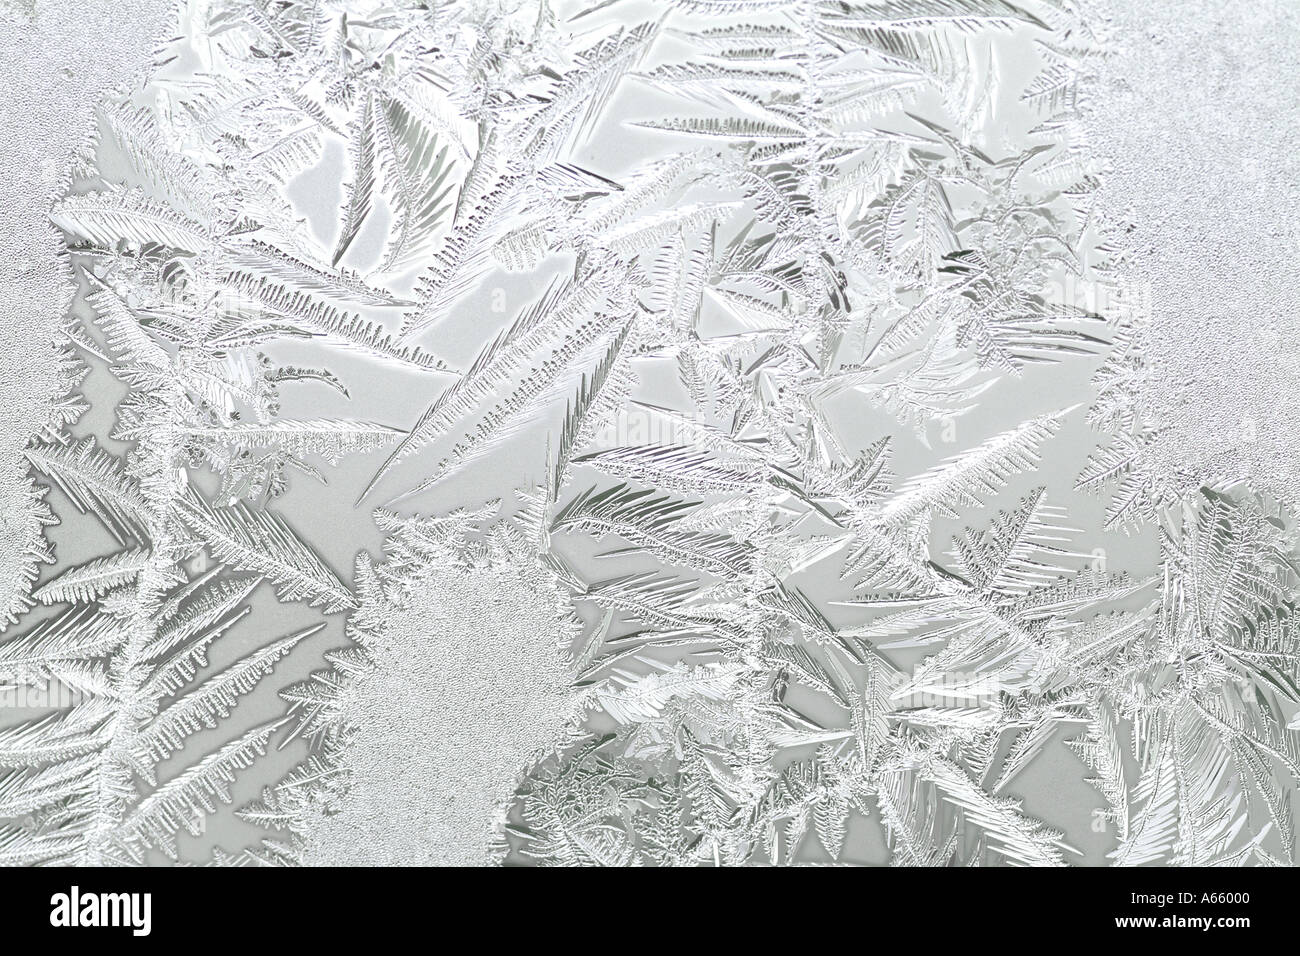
[52, 75]
[1210, 208]
[458, 684]
[830, 500]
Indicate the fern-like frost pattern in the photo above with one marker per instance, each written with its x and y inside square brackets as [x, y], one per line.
[748, 426]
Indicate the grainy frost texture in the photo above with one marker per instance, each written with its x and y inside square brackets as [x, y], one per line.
[1206, 174]
[460, 685]
[706, 432]
[58, 58]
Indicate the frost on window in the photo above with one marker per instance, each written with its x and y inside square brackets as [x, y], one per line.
[699, 433]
